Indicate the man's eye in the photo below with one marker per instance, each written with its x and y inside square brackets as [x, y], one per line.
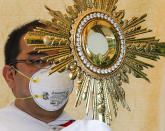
[39, 61]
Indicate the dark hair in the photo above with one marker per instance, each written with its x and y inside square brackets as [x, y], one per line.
[12, 46]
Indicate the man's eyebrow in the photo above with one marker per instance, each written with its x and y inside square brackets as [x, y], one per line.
[36, 53]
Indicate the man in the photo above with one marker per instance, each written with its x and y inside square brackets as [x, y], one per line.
[33, 108]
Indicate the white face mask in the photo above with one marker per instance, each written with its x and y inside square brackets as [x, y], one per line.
[54, 89]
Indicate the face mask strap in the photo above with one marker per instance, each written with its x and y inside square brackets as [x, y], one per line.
[29, 97]
[35, 81]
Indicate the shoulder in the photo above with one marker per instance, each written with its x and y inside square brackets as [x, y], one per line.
[7, 111]
[87, 125]
[3, 128]
[4, 119]
[6, 114]
[10, 116]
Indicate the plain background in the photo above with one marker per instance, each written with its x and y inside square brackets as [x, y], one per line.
[145, 99]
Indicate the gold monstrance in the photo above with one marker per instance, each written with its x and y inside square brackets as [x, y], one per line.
[99, 48]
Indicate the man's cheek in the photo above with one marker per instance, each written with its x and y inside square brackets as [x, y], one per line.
[23, 84]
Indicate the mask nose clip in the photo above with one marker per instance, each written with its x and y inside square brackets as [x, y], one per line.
[36, 80]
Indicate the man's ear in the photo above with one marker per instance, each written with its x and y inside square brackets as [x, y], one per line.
[8, 74]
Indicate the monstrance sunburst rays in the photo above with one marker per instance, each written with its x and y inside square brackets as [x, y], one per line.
[100, 76]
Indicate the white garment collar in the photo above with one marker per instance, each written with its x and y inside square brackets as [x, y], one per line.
[62, 119]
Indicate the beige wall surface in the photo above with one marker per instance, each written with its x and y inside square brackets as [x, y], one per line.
[145, 99]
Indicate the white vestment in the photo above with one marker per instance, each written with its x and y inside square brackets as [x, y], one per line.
[13, 119]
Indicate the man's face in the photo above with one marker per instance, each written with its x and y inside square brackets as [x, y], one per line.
[22, 83]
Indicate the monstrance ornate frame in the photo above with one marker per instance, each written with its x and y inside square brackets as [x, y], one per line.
[99, 48]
